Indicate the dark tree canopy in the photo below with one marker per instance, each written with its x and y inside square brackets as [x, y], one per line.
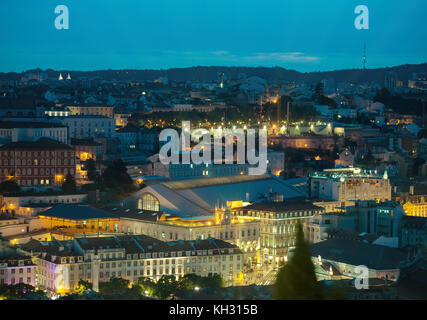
[9, 186]
[296, 280]
[69, 185]
[90, 166]
[116, 176]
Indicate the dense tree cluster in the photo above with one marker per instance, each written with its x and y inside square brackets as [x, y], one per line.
[165, 287]
[21, 291]
[398, 103]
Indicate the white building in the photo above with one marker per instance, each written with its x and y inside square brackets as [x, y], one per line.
[16, 269]
[61, 264]
[348, 184]
[80, 127]
[14, 131]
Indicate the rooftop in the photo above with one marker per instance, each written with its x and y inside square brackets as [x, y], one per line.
[207, 182]
[357, 253]
[199, 197]
[40, 144]
[76, 212]
[284, 206]
[339, 173]
[29, 124]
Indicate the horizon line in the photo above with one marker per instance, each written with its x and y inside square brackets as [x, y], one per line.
[212, 66]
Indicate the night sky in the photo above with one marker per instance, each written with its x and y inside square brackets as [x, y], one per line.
[305, 35]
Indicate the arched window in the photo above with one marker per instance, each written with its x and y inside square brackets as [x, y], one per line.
[149, 202]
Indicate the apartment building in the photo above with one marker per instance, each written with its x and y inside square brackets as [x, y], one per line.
[33, 163]
[89, 126]
[16, 269]
[13, 131]
[168, 227]
[92, 110]
[61, 264]
[278, 225]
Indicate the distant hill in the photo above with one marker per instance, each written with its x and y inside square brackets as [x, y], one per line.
[404, 72]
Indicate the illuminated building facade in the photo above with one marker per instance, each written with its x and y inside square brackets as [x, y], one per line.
[87, 149]
[278, 223]
[61, 264]
[79, 219]
[34, 163]
[416, 209]
[89, 110]
[30, 205]
[16, 269]
[305, 142]
[166, 227]
[121, 118]
[349, 184]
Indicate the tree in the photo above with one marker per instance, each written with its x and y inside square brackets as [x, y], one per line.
[9, 186]
[116, 176]
[296, 280]
[90, 167]
[83, 286]
[147, 285]
[166, 286]
[20, 290]
[213, 281]
[190, 281]
[69, 185]
[114, 286]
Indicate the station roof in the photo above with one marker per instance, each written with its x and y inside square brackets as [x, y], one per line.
[76, 212]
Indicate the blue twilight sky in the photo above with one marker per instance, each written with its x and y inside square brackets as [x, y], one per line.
[305, 35]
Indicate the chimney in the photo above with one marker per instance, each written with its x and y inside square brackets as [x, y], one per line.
[411, 190]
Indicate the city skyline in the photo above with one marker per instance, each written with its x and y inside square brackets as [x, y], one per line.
[213, 150]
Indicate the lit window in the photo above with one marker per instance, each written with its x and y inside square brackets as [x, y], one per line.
[149, 202]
